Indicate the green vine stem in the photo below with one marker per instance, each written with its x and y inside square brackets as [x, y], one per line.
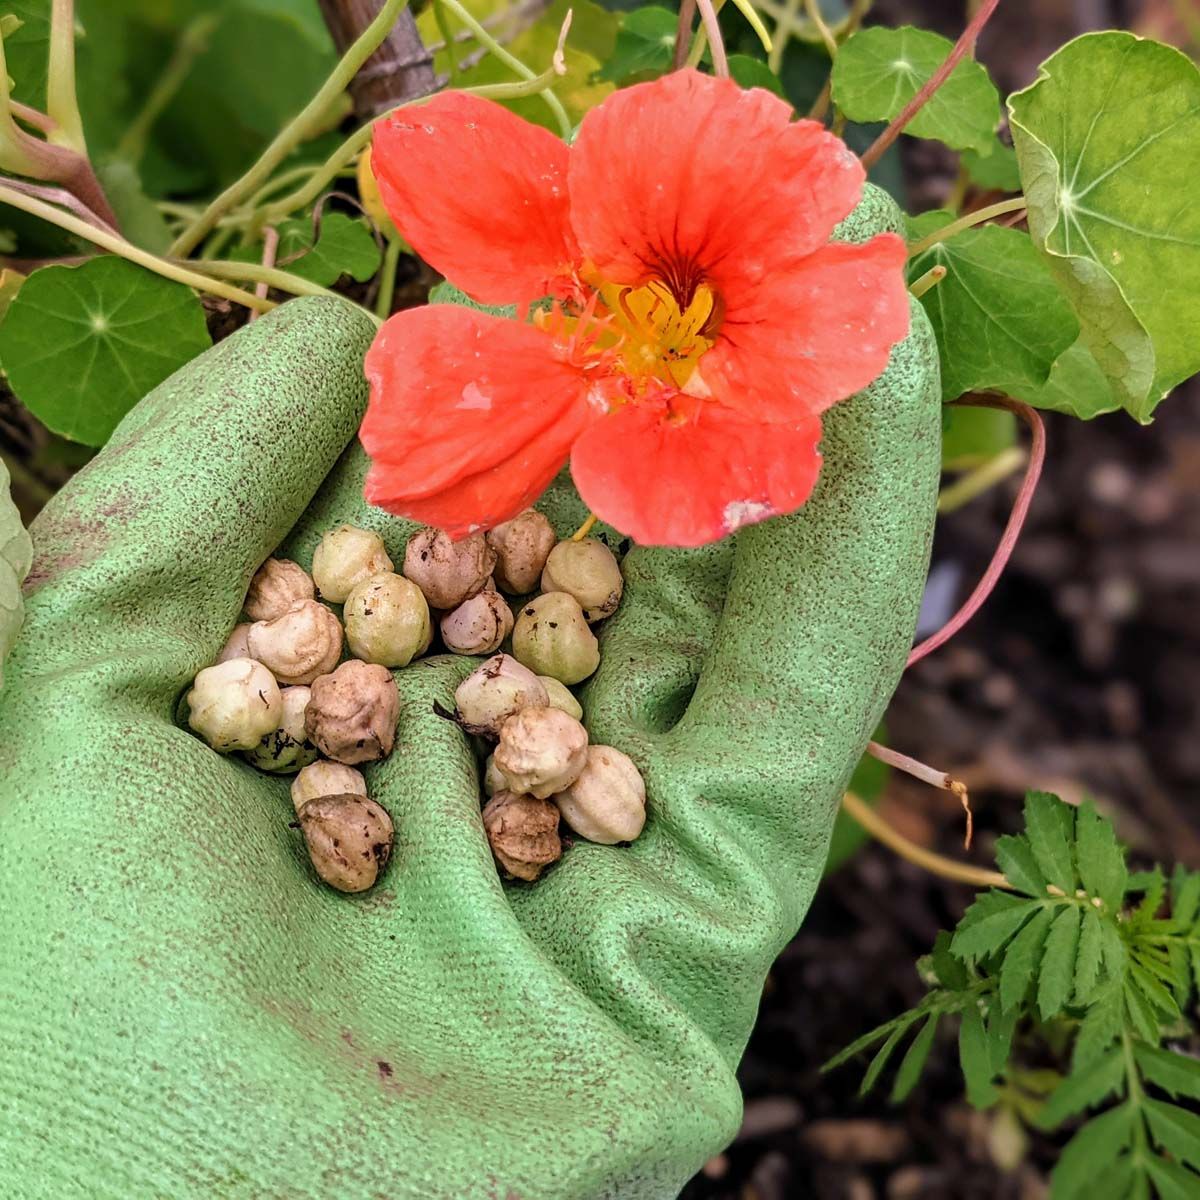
[62, 105]
[938, 864]
[813, 10]
[345, 154]
[193, 41]
[485, 39]
[293, 133]
[976, 218]
[23, 154]
[982, 479]
[930, 279]
[118, 245]
[387, 279]
[281, 281]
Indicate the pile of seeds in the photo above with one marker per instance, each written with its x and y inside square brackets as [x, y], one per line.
[299, 691]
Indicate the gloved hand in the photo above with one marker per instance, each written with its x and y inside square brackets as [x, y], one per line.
[186, 1012]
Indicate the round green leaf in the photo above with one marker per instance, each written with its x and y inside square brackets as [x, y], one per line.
[1108, 141]
[16, 553]
[878, 71]
[82, 345]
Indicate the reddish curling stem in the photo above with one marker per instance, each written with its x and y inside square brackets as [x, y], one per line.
[964, 46]
[683, 33]
[1020, 509]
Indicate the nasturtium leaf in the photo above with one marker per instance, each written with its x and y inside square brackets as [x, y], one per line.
[1108, 140]
[16, 553]
[82, 345]
[1057, 974]
[879, 70]
[1084, 1089]
[645, 43]
[995, 168]
[1077, 386]
[970, 436]
[345, 246]
[753, 72]
[1000, 319]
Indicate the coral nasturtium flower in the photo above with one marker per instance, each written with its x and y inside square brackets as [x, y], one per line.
[700, 319]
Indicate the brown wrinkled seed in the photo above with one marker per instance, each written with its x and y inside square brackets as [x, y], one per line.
[523, 833]
[522, 546]
[351, 716]
[448, 572]
[349, 840]
[276, 586]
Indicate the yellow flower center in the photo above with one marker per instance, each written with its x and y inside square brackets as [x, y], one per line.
[643, 332]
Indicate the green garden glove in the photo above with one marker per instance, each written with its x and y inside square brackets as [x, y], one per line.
[186, 1012]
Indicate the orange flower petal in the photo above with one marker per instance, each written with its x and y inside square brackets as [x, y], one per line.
[470, 416]
[690, 472]
[691, 174]
[480, 195]
[814, 334]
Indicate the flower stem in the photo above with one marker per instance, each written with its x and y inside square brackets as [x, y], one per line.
[118, 245]
[710, 35]
[964, 46]
[1012, 531]
[439, 15]
[683, 33]
[785, 24]
[937, 864]
[813, 9]
[930, 279]
[270, 250]
[193, 41]
[585, 528]
[971, 219]
[293, 133]
[387, 279]
[61, 104]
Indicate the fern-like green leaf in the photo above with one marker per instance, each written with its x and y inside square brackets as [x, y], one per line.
[881, 1058]
[1000, 1028]
[1093, 1150]
[949, 970]
[1171, 1181]
[1174, 1129]
[1014, 856]
[913, 1062]
[1155, 993]
[1154, 885]
[1141, 1014]
[975, 1056]
[1087, 959]
[1048, 826]
[1084, 1089]
[1100, 860]
[1185, 895]
[1056, 975]
[1174, 1073]
[989, 923]
[1101, 1026]
[1022, 958]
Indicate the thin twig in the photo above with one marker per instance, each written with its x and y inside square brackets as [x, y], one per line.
[1008, 540]
[965, 45]
[936, 864]
[270, 248]
[683, 33]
